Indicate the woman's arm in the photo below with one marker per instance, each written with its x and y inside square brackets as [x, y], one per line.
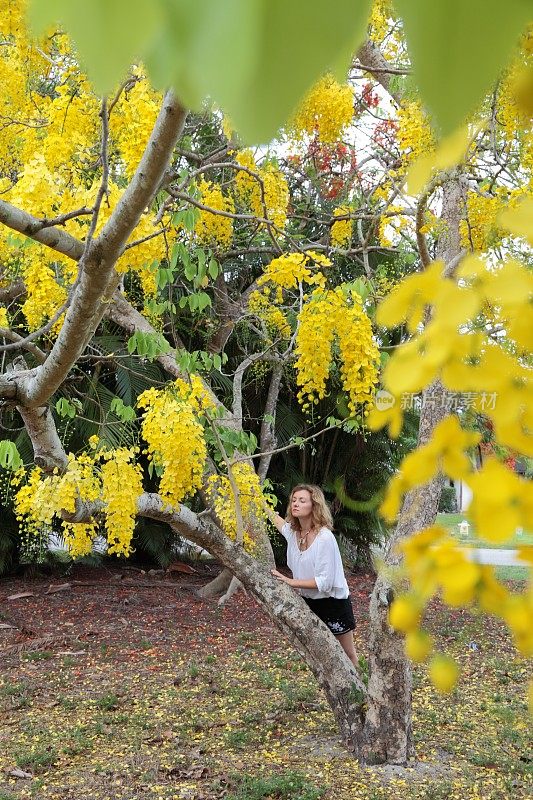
[308, 583]
[275, 519]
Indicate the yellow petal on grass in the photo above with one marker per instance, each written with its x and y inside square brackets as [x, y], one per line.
[443, 672]
[519, 220]
[450, 152]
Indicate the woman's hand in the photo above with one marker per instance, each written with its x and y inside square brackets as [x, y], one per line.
[283, 578]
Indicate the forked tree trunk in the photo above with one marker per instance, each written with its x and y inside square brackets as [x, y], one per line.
[388, 725]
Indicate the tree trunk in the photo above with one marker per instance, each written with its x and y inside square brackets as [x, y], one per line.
[343, 687]
[388, 724]
[218, 585]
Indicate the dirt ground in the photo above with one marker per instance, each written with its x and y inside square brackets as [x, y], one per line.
[118, 684]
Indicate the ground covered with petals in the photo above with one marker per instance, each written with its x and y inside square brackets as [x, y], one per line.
[122, 685]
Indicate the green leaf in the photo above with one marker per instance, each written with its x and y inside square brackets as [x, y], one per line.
[190, 271]
[148, 345]
[9, 455]
[255, 58]
[203, 301]
[132, 343]
[123, 412]
[65, 409]
[213, 268]
[458, 49]
[110, 35]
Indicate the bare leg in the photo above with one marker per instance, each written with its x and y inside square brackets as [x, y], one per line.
[346, 642]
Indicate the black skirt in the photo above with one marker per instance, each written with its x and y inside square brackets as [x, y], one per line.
[336, 614]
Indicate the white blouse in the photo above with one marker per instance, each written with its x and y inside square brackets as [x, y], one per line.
[321, 561]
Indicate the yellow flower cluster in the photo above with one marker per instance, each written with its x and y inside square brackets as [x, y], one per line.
[25, 496]
[121, 487]
[326, 111]
[450, 346]
[479, 230]
[445, 453]
[118, 483]
[291, 269]
[175, 438]
[215, 229]
[276, 195]
[325, 315]
[341, 231]
[53, 167]
[378, 23]
[383, 285]
[251, 501]
[359, 353]
[267, 195]
[4, 320]
[79, 537]
[465, 361]
[263, 306]
[132, 120]
[415, 137]
[44, 295]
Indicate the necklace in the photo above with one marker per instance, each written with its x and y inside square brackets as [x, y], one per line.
[303, 539]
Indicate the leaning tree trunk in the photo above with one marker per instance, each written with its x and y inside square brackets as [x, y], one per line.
[341, 683]
[388, 725]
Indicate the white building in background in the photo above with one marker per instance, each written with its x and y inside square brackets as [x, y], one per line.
[463, 494]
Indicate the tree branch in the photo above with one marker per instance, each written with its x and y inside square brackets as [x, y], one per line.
[97, 276]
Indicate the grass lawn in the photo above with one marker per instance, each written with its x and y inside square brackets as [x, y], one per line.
[451, 522]
[126, 689]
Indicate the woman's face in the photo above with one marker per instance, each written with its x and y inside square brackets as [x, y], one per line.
[301, 504]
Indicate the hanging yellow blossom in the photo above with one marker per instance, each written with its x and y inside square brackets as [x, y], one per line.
[266, 193]
[291, 269]
[326, 111]
[211, 228]
[326, 315]
[341, 231]
[175, 439]
[415, 137]
[263, 306]
[121, 488]
[251, 502]
[44, 295]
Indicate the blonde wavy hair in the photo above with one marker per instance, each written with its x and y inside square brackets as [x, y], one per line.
[320, 513]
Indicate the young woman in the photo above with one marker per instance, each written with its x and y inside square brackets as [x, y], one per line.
[315, 561]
